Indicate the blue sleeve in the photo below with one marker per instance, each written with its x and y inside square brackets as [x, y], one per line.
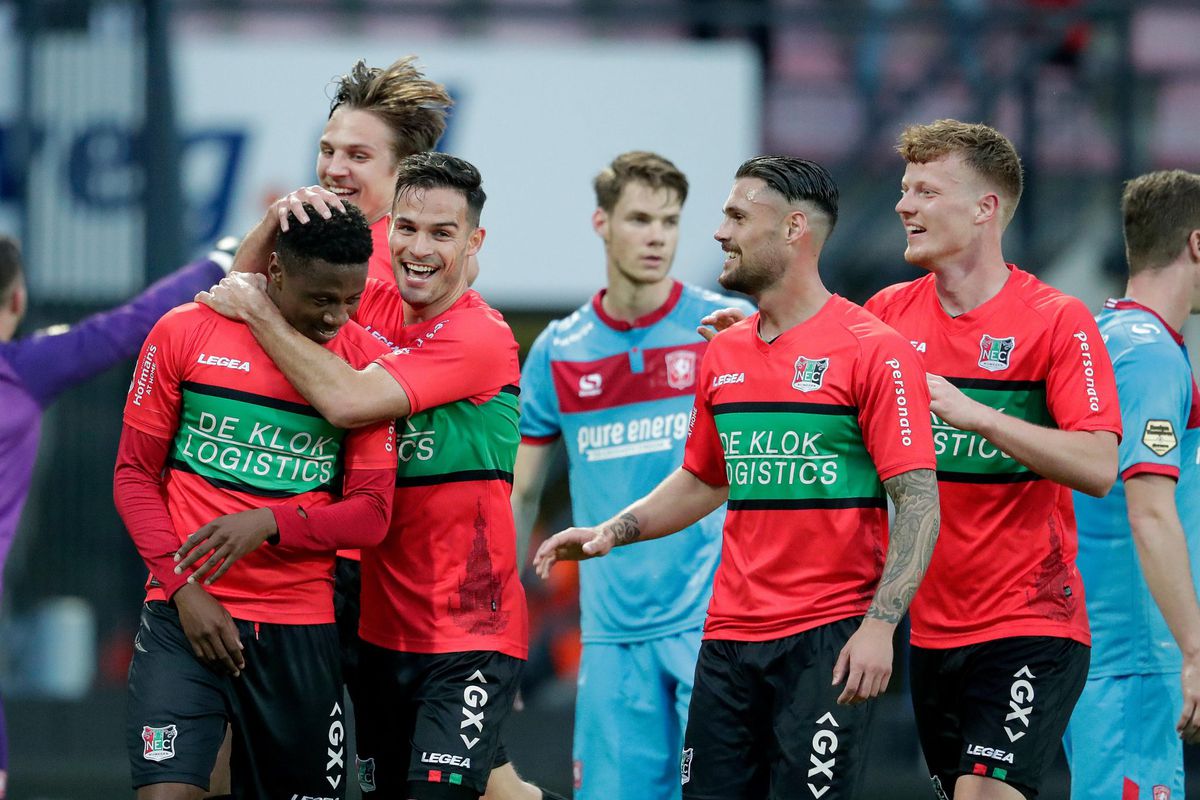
[539, 402]
[53, 361]
[1154, 386]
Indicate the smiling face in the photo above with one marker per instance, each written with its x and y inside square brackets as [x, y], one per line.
[317, 298]
[431, 240]
[356, 162]
[942, 204]
[640, 233]
[753, 236]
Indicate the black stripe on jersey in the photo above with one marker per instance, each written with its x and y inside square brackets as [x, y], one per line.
[975, 477]
[996, 385]
[247, 397]
[795, 505]
[246, 488]
[784, 408]
[511, 388]
[455, 477]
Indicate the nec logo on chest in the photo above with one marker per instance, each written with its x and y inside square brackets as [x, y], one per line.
[222, 361]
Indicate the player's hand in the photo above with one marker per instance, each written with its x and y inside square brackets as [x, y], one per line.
[1189, 722]
[220, 543]
[718, 321]
[865, 663]
[210, 629]
[952, 406]
[573, 544]
[238, 296]
[320, 198]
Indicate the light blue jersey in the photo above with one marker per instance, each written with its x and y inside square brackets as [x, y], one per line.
[1161, 420]
[620, 395]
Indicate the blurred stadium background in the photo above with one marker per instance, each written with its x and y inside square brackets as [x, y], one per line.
[132, 134]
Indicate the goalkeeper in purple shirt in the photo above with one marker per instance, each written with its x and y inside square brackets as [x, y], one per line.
[36, 369]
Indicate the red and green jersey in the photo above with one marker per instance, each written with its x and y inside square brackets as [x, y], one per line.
[243, 438]
[445, 580]
[804, 430]
[379, 266]
[1004, 564]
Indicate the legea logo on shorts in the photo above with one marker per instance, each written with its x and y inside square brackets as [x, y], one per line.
[159, 743]
[685, 767]
[366, 773]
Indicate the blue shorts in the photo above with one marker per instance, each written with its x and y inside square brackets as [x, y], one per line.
[630, 714]
[1121, 742]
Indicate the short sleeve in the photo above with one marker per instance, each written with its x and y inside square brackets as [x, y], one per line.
[702, 454]
[462, 357]
[893, 406]
[152, 405]
[1081, 391]
[540, 422]
[1152, 418]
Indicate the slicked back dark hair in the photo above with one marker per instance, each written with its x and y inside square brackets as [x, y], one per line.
[343, 240]
[10, 265]
[1160, 210]
[798, 180]
[412, 106]
[638, 166]
[443, 171]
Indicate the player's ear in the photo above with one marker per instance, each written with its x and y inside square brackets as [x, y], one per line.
[600, 223]
[988, 207]
[797, 225]
[475, 241]
[1193, 244]
[274, 271]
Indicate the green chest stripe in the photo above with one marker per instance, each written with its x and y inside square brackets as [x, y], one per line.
[255, 444]
[796, 459]
[964, 457]
[458, 439]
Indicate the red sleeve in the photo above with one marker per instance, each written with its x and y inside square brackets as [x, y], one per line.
[703, 455]
[893, 406]
[457, 360]
[359, 519]
[1081, 390]
[152, 405]
[141, 501]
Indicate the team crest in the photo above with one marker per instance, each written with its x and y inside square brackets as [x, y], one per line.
[159, 743]
[994, 353]
[685, 766]
[1159, 436]
[1162, 792]
[810, 372]
[366, 773]
[681, 369]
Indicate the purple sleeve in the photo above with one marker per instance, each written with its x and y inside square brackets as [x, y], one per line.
[51, 363]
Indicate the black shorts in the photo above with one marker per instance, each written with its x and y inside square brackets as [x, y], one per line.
[764, 720]
[430, 723]
[285, 709]
[997, 709]
[347, 589]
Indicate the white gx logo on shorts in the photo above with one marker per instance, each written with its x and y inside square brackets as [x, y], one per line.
[824, 743]
[474, 696]
[1020, 702]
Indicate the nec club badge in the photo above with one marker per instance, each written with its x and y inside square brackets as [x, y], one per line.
[994, 353]
[158, 743]
[681, 369]
[810, 372]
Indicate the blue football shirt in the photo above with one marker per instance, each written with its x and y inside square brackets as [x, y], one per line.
[620, 394]
[1161, 420]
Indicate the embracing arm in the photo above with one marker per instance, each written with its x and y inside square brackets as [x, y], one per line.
[1162, 551]
[679, 501]
[1081, 460]
[347, 397]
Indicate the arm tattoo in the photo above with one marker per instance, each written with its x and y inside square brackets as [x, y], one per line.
[625, 529]
[910, 544]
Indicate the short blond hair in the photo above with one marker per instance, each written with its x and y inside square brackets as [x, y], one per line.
[983, 148]
[1159, 210]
